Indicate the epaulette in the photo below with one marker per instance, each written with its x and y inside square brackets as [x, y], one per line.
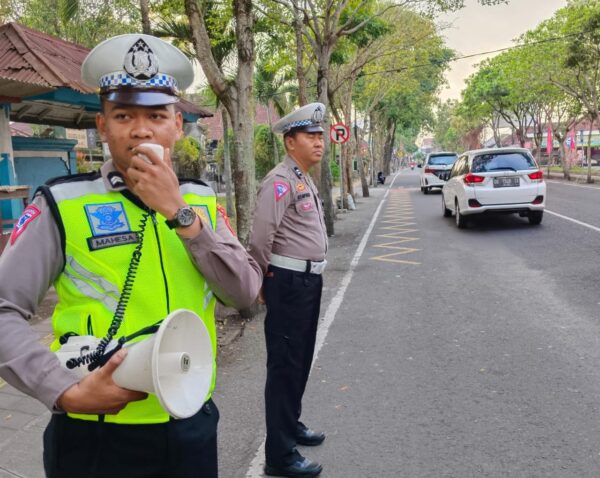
[297, 172]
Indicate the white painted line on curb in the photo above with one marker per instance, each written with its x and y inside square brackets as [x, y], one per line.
[567, 218]
[256, 465]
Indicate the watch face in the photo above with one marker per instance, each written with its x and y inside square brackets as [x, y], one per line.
[186, 216]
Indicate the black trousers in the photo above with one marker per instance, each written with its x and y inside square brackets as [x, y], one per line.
[293, 303]
[176, 449]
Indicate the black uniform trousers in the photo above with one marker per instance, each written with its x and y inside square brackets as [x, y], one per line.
[184, 448]
[293, 302]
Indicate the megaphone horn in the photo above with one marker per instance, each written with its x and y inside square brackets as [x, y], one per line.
[176, 364]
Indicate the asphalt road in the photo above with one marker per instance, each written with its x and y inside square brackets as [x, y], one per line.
[453, 353]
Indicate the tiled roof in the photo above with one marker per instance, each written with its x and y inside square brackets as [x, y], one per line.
[32, 62]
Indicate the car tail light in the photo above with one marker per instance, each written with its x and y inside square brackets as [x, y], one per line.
[536, 176]
[538, 200]
[429, 170]
[473, 179]
[474, 203]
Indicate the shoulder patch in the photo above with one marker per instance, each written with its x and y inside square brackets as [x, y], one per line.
[203, 213]
[281, 189]
[225, 217]
[29, 214]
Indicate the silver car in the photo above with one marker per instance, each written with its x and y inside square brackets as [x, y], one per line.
[436, 170]
[505, 180]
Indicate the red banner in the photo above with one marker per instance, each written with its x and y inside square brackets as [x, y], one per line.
[549, 141]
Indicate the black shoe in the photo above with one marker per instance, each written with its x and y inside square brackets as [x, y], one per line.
[306, 436]
[302, 468]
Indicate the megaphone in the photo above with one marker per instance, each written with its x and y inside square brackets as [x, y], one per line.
[175, 363]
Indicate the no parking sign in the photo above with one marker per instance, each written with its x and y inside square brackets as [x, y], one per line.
[339, 133]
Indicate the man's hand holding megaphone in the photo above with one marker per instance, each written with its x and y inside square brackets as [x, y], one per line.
[97, 393]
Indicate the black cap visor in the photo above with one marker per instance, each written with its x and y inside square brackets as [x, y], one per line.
[136, 97]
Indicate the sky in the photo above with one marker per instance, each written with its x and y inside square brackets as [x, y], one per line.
[477, 28]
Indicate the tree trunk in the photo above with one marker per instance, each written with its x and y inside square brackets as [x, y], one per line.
[361, 162]
[589, 153]
[273, 139]
[325, 182]
[227, 164]
[145, 10]
[236, 96]
[389, 146]
[349, 146]
[565, 159]
[301, 77]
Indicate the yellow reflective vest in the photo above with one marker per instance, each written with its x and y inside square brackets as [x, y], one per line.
[100, 230]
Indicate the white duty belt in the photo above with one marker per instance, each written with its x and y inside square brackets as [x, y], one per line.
[298, 265]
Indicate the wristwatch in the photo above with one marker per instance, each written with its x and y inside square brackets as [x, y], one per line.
[184, 217]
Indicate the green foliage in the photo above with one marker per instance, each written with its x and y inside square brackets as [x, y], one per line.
[263, 150]
[86, 22]
[334, 167]
[190, 157]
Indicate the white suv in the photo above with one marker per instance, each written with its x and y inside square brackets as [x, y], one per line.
[436, 170]
[505, 180]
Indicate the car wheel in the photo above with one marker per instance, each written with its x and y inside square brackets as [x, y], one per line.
[445, 211]
[535, 217]
[422, 189]
[461, 220]
[425, 190]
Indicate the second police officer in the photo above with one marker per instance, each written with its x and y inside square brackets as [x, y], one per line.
[289, 241]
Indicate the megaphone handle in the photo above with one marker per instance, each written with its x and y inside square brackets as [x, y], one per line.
[101, 361]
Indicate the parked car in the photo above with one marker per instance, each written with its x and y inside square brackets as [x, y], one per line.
[506, 180]
[436, 170]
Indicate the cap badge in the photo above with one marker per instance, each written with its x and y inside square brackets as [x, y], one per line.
[140, 61]
[317, 115]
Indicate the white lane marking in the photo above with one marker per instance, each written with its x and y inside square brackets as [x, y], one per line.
[567, 218]
[562, 183]
[256, 465]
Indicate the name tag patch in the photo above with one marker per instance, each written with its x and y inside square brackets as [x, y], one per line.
[108, 218]
[111, 240]
[306, 206]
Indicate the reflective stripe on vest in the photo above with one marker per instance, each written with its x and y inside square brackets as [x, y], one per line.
[91, 283]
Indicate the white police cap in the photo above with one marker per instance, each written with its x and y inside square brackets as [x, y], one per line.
[137, 69]
[307, 118]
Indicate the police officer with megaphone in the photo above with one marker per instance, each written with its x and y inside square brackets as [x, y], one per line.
[124, 248]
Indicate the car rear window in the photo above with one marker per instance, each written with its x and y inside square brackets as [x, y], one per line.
[502, 162]
[442, 159]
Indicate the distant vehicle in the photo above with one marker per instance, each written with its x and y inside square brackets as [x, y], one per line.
[436, 170]
[506, 180]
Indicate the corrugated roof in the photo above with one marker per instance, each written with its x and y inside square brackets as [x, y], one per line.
[34, 58]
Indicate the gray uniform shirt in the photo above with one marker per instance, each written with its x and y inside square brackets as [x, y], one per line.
[288, 219]
[30, 265]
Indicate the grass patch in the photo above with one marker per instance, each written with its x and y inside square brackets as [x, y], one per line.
[575, 170]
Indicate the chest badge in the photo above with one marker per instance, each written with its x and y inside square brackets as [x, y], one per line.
[107, 218]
